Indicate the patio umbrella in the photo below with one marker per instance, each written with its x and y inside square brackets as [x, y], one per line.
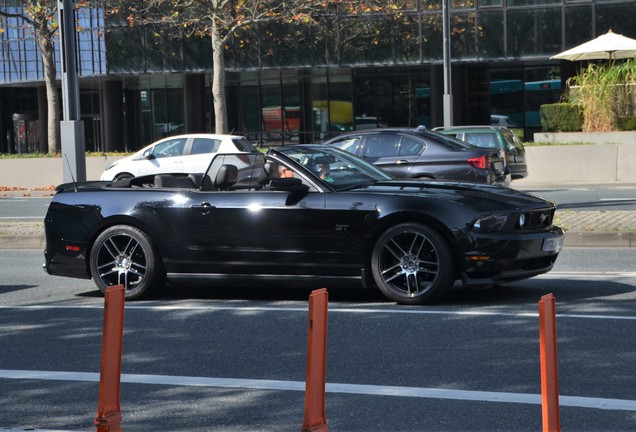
[608, 46]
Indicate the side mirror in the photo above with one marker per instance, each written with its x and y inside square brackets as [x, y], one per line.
[288, 185]
[148, 154]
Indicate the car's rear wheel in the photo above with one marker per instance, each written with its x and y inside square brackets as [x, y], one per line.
[123, 254]
[412, 263]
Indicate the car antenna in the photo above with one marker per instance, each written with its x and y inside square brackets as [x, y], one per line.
[71, 172]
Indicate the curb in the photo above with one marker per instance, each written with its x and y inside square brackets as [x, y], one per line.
[600, 239]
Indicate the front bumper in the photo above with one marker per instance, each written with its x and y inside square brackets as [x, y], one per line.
[497, 259]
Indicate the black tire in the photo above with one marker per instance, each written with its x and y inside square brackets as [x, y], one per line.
[123, 176]
[123, 254]
[412, 264]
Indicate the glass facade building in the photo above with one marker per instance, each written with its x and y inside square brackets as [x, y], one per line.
[293, 82]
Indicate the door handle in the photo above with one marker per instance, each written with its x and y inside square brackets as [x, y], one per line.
[401, 162]
[205, 207]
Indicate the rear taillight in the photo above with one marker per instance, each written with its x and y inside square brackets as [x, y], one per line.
[479, 162]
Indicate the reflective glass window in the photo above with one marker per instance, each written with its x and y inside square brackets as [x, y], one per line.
[407, 39]
[532, 32]
[406, 4]
[578, 26]
[616, 18]
[462, 4]
[366, 40]
[489, 3]
[490, 30]
[429, 5]
[512, 3]
[124, 52]
[432, 41]
[463, 41]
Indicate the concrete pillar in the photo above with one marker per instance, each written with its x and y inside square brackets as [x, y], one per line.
[193, 103]
[113, 115]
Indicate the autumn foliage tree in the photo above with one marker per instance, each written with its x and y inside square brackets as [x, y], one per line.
[39, 17]
[223, 21]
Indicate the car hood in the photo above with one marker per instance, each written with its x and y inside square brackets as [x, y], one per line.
[485, 195]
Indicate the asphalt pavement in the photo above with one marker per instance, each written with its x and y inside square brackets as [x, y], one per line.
[598, 228]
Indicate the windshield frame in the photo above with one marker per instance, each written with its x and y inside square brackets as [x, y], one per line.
[347, 171]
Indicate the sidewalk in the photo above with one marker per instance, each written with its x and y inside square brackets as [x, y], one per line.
[583, 228]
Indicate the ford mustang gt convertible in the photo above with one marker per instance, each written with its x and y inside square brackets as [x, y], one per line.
[301, 215]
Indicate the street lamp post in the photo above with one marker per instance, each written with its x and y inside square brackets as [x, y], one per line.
[448, 94]
[71, 127]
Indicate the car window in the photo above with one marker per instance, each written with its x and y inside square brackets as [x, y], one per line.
[410, 147]
[169, 148]
[445, 140]
[205, 145]
[345, 171]
[488, 140]
[382, 145]
[512, 139]
[348, 144]
[244, 145]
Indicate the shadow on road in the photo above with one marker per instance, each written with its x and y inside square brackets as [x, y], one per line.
[590, 294]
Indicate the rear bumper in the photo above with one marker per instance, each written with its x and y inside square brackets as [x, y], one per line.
[69, 265]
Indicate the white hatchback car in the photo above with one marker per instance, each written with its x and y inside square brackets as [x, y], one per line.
[190, 153]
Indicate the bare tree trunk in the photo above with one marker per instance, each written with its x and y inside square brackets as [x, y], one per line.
[53, 121]
[218, 82]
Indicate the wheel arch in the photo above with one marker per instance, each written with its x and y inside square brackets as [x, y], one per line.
[123, 174]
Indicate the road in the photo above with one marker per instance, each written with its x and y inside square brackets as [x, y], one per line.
[617, 198]
[234, 359]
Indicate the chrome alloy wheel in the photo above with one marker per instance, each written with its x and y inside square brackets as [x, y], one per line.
[412, 263]
[125, 255]
[121, 260]
[409, 262]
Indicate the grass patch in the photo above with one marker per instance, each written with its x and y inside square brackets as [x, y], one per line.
[59, 155]
[550, 143]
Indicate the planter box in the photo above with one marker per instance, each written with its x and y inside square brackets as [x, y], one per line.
[595, 163]
[624, 137]
[33, 173]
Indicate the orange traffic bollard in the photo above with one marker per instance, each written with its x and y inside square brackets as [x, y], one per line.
[549, 370]
[108, 410]
[315, 419]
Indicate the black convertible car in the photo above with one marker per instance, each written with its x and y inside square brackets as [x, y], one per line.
[305, 214]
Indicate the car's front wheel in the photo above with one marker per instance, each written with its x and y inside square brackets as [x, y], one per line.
[125, 255]
[123, 176]
[412, 263]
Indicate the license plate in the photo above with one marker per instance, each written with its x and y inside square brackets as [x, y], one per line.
[552, 244]
[498, 166]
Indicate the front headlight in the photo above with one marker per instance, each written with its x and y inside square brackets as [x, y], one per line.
[491, 223]
[111, 165]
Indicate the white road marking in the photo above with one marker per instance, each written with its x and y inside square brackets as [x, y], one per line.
[359, 389]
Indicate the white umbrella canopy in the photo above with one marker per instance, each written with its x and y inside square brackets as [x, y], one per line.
[609, 46]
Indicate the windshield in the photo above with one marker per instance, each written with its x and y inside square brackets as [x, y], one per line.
[339, 169]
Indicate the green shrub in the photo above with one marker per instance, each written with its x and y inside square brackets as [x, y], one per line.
[627, 123]
[561, 117]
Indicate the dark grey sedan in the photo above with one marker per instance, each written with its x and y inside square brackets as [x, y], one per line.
[422, 153]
